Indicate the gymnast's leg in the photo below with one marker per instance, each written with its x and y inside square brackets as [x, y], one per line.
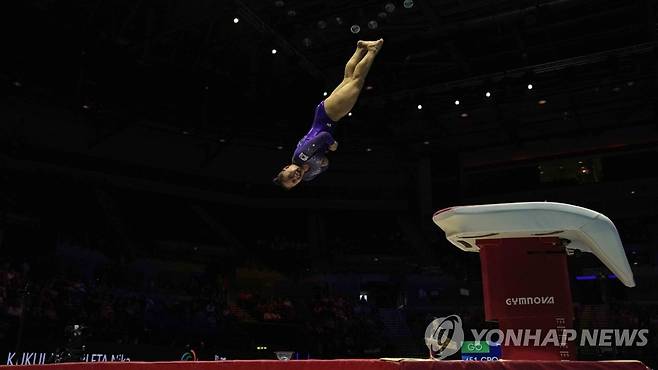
[342, 99]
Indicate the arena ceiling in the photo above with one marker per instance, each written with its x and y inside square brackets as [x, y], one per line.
[130, 80]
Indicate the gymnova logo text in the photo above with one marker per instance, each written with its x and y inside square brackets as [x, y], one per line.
[517, 301]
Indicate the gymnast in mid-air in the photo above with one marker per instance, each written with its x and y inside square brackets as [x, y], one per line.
[309, 159]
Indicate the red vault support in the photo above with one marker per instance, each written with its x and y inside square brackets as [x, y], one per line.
[526, 287]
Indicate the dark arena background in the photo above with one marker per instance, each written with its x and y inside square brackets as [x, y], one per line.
[139, 139]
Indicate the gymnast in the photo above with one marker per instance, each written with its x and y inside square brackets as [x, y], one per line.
[309, 159]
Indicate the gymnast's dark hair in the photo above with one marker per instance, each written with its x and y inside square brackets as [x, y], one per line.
[278, 181]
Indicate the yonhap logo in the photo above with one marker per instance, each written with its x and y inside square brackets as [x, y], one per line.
[444, 336]
[522, 301]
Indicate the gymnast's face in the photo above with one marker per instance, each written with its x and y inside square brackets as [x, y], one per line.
[291, 175]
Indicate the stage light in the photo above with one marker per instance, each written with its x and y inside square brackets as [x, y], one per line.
[186, 132]
[530, 86]
[426, 142]
[541, 102]
[382, 15]
[373, 24]
[273, 51]
[408, 4]
[464, 115]
[222, 140]
[307, 42]
[324, 93]
[349, 114]
[280, 147]
[279, 3]
[420, 107]
[339, 20]
[322, 24]
[85, 106]
[17, 84]
[368, 150]
[630, 83]
[236, 20]
[389, 7]
[487, 94]
[369, 87]
[292, 13]
[355, 28]
[456, 102]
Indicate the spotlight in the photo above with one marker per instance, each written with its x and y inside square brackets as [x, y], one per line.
[279, 3]
[222, 140]
[17, 84]
[456, 102]
[389, 7]
[426, 142]
[541, 102]
[349, 114]
[322, 24]
[368, 150]
[280, 147]
[530, 86]
[373, 24]
[464, 115]
[273, 51]
[487, 94]
[369, 87]
[408, 4]
[339, 20]
[324, 93]
[85, 107]
[307, 42]
[382, 15]
[355, 28]
[292, 13]
[236, 20]
[420, 107]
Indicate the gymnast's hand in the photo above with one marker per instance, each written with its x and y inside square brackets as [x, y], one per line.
[333, 146]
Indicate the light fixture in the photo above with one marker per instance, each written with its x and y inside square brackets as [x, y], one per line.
[408, 4]
[373, 24]
[339, 20]
[368, 150]
[349, 114]
[389, 7]
[464, 115]
[487, 94]
[307, 42]
[426, 142]
[292, 13]
[279, 147]
[420, 107]
[530, 86]
[456, 102]
[324, 93]
[273, 51]
[322, 24]
[279, 3]
[541, 102]
[355, 28]
[236, 20]
[382, 15]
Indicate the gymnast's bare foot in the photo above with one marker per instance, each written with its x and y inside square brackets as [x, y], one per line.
[370, 45]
